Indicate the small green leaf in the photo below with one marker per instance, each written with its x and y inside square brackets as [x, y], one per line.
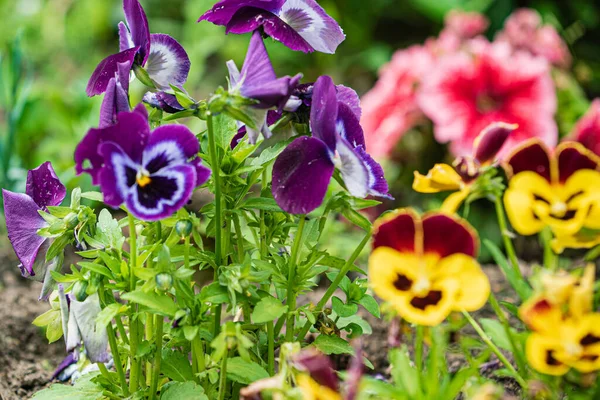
[84, 389]
[95, 196]
[107, 314]
[160, 304]
[268, 309]
[190, 332]
[371, 305]
[214, 294]
[245, 372]
[176, 366]
[341, 309]
[97, 268]
[183, 390]
[331, 344]
[225, 129]
[261, 203]
[494, 329]
[518, 283]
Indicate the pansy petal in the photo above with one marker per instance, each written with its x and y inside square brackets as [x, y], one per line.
[107, 69]
[180, 135]
[234, 73]
[22, 224]
[274, 93]
[301, 175]
[95, 340]
[349, 97]
[491, 140]
[432, 308]
[115, 101]
[163, 101]
[348, 126]
[168, 191]
[125, 39]
[453, 202]
[118, 174]
[440, 178]
[397, 230]
[532, 155]
[313, 24]
[324, 111]
[573, 157]
[44, 187]
[168, 63]
[223, 11]
[130, 132]
[445, 235]
[354, 172]
[138, 27]
[378, 186]
[540, 351]
[202, 172]
[474, 285]
[319, 367]
[519, 198]
[392, 273]
[257, 69]
[577, 241]
[582, 192]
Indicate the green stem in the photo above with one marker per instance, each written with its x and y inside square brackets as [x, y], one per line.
[550, 259]
[105, 372]
[291, 295]
[495, 350]
[121, 329]
[158, 338]
[419, 336]
[186, 252]
[518, 354]
[510, 250]
[336, 282]
[223, 377]
[216, 173]
[198, 351]
[149, 332]
[239, 237]
[134, 374]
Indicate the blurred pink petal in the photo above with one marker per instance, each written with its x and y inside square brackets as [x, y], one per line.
[464, 93]
[587, 129]
[465, 25]
[390, 108]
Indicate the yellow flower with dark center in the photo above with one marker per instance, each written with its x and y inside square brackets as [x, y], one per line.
[311, 390]
[425, 267]
[461, 176]
[559, 189]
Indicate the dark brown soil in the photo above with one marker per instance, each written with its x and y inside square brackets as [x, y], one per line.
[26, 358]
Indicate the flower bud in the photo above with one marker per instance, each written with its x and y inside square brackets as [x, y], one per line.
[183, 227]
[467, 168]
[71, 220]
[80, 290]
[164, 281]
[490, 141]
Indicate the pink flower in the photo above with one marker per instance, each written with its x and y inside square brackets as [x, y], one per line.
[465, 25]
[390, 108]
[464, 93]
[587, 129]
[524, 31]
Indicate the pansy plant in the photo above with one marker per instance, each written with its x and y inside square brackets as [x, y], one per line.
[301, 25]
[558, 189]
[153, 173]
[426, 267]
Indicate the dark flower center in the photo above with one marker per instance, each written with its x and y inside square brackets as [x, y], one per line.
[589, 339]
[432, 299]
[487, 103]
[550, 360]
[402, 283]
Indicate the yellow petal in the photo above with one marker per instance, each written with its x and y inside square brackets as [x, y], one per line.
[577, 241]
[452, 203]
[474, 285]
[311, 390]
[520, 199]
[588, 336]
[392, 273]
[558, 286]
[442, 177]
[540, 351]
[541, 315]
[583, 188]
[432, 308]
[582, 298]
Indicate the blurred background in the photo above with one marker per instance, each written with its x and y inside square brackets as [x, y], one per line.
[49, 48]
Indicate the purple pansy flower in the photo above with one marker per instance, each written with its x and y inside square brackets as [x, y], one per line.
[257, 81]
[166, 62]
[301, 25]
[302, 172]
[153, 173]
[23, 222]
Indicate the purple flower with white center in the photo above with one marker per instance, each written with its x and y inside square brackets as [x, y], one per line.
[257, 81]
[302, 172]
[153, 173]
[165, 61]
[23, 222]
[301, 25]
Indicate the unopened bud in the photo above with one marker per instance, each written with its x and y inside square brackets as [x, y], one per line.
[80, 290]
[490, 141]
[183, 228]
[164, 281]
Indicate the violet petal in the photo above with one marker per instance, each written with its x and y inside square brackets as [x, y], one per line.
[107, 69]
[44, 187]
[137, 23]
[168, 63]
[324, 111]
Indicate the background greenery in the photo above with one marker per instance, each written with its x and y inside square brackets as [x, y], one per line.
[63, 40]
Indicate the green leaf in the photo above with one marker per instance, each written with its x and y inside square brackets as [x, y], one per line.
[331, 344]
[84, 389]
[245, 372]
[214, 294]
[57, 246]
[95, 196]
[160, 304]
[518, 284]
[496, 332]
[107, 314]
[341, 309]
[270, 153]
[108, 231]
[225, 129]
[403, 373]
[261, 203]
[183, 390]
[371, 305]
[97, 268]
[176, 366]
[268, 309]
[52, 321]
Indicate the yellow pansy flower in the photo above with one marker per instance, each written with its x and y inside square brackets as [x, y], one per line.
[425, 267]
[311, 390]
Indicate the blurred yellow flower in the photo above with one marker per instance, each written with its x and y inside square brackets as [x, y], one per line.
[311, 390]
[425, 267]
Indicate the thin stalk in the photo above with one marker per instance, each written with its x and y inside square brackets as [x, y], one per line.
[149, 332]
[121, 329]
[198, 353]
[550, 259]
[291, 296]
[495, 349]
[239, 237]
[134, 374]
[216, 169]
[336, 282]
[158, 338]
[223, 377]
[263, 255]
[510, 250]
[105, 372]
[419, 337]
[186, 252]
[521, 364]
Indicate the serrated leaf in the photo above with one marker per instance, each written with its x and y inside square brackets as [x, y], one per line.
[261, 203]
[245, 372]
[176, 366]
[225, 128]
[331, 344]
[268, 309]
[341, 309]
[160, 304]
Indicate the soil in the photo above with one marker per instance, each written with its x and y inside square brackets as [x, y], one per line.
[26, 359]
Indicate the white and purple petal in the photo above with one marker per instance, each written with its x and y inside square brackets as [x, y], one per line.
[353, 169]
[22, 224]
[167, 63]
[324, 111]
[125, 39]
[107, 69]
[163, 101]
[175, 142]
[168, 190]
[95, 340]
[378, 185]
[131, 133]
[223, 11]
[137, 22]
[118, 175]
[301, 175]
[348, 126]
[349, 97]
[44, 187]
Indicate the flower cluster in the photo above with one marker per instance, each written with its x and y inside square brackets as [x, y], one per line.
[426, 267]
[565, 331]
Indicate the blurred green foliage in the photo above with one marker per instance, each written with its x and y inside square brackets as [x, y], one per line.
[63, 40]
